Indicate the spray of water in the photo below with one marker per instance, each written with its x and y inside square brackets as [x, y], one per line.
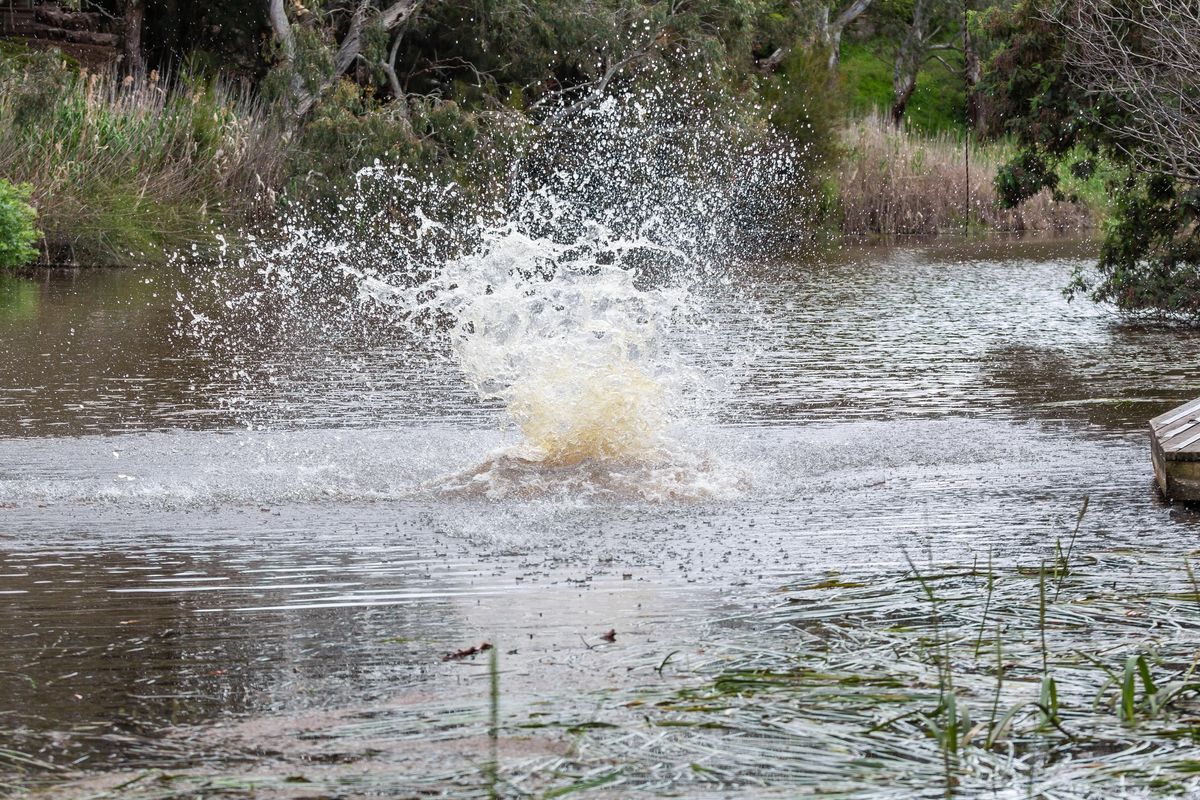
[576, 301]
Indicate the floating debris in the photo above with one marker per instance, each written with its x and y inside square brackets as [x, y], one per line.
[459, 655]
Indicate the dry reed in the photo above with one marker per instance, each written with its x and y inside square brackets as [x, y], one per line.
[897, 182]
[124, 172]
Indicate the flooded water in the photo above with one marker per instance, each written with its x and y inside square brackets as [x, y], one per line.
[214, 576]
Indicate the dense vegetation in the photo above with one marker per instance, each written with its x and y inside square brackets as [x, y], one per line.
[17, 232]
[1111, 86]
[216, 113]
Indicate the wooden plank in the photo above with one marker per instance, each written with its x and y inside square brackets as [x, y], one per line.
[1176, 414]
[1174, 431]
[1181, 442]
[1175, 452]
[1190, 444]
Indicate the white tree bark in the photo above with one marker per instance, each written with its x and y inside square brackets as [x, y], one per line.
[390, 18]
[831, 32]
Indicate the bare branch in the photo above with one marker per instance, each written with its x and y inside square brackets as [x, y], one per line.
[599, 86]
[1144, 58]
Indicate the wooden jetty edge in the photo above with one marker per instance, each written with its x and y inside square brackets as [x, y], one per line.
[1175, 450]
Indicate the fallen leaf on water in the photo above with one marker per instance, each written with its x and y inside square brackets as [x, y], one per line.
[467, 653]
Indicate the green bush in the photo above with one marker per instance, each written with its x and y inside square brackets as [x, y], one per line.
[126, 172]
[18, 235]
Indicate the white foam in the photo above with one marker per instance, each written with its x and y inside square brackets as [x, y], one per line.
[575, 303]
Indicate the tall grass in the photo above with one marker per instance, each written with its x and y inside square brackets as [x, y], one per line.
[896, 182]
[124, 172]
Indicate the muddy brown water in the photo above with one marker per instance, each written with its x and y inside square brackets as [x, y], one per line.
[165, 568]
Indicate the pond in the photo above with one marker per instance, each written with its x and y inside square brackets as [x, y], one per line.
[252, 588]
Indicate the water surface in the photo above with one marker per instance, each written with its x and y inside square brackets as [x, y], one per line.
[175, 571]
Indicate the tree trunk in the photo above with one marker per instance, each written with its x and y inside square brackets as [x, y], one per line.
[972, 71]
[135, 13]
[909, 57]
[831, 31]
[834, 42]
[902, 93]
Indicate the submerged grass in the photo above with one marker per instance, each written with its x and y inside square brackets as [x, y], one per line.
[899, 182]
[880, 686]
[1071, 701]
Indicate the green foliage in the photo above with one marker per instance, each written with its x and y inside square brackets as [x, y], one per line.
[555, 45]
[131, 172]
[1150, 258]
[128, 171]
[806, 107]
[1023, 177]
[349, 130]
[18, 235]
[480, 77]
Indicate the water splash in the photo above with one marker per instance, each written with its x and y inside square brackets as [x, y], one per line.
[576, 302]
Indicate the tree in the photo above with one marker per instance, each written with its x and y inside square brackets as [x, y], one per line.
[131, 45]
[831, 27]
[972, 66]
[312, 75]
[1145, 56]
[1112, 81]
[828, 24]
[916, 47]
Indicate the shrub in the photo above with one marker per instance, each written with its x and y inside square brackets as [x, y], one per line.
[128, 170]
[17, 232]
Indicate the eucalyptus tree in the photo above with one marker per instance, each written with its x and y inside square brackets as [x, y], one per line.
[832, 21]
[318, 43]
[927, 32]
[826, 22]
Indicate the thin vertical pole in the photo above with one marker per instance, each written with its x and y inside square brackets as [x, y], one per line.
[967, 119]
[967, 162]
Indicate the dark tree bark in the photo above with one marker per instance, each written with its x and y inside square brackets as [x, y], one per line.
[972, 73]
[915, 49]
[135, 14]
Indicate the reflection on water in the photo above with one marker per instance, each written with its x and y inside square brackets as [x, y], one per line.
[161, 565]
[978, 331]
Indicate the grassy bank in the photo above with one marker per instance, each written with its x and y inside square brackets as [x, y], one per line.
[127, 172]
[897, 182]
[124, 171]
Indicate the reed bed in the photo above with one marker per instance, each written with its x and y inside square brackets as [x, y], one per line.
[898, 182]
[124, 171]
